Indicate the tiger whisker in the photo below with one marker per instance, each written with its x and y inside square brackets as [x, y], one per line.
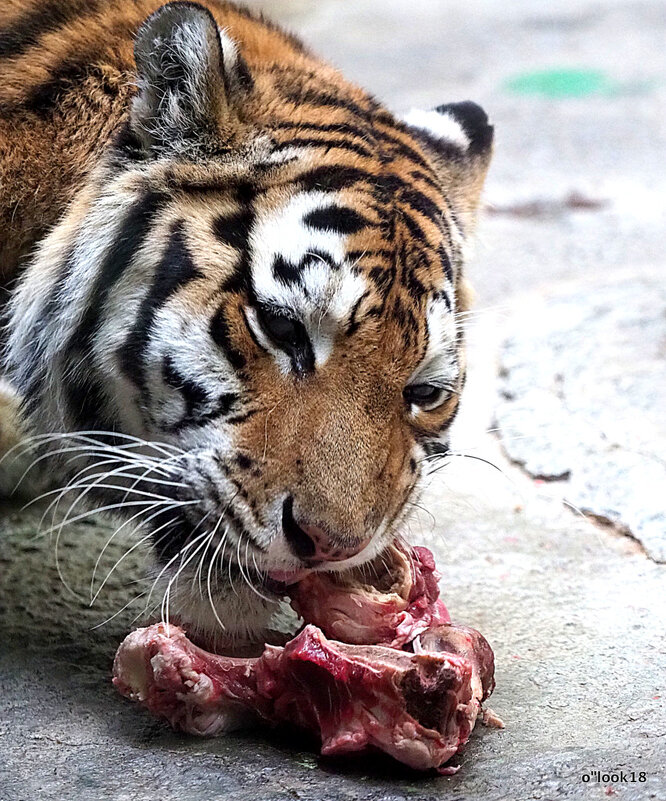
[90, 447]
[168, 564]
[199, 571]
[112, 506]
[74, 483]
[96, 485]
[148, 536]
[229, 572]
[167, 595]
[90, 480]
[91, 437]
[210, 570]
[131, 601]
[245, 576]
[108, 542]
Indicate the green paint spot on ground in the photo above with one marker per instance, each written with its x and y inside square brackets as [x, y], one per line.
[561, 83]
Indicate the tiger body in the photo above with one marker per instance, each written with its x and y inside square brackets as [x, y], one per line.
[236, 284]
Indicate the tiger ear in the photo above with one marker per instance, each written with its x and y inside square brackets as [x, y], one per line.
[459, 138]
[188, 77]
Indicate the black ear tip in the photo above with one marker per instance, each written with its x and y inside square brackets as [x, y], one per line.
[162, 22]
[180, 11]
[474, 122]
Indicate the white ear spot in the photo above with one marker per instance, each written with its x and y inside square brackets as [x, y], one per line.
[229, 52]
[439, 126]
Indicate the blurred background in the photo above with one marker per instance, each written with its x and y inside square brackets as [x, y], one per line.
[548, 522]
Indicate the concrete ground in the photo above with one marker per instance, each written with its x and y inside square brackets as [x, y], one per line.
[566, 397]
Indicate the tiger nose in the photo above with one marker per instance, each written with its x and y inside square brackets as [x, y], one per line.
[311, 543]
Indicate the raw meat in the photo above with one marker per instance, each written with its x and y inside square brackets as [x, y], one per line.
[401, 678]
[418, 707]
[401, 602]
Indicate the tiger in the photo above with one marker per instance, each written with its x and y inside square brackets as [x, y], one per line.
[234, 291]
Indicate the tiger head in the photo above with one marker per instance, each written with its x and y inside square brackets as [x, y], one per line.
[249, 318]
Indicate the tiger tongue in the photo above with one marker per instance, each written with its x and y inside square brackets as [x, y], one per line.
[288, 577]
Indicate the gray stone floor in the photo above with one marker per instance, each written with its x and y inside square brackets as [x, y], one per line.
[570, 273]
[592, 417]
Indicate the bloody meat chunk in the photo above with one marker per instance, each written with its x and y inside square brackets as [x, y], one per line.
[389, 601]
[398, 676]
[418, 707]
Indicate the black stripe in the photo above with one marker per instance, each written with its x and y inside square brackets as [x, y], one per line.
[442, 295]
[44, 97]
[383, 277]
[415, 262]
[85, 397]
[338, 219]
[329, 144]
[445, 261]
[300, 96]
[86, 402]
[415, 287]
[26, 31]
[219, 330]
[417, 175]
[194, 394]
[405, 317]
[128, 240]
[393, 186]
[244, 461]
[224, 403]
[200, 408]
[286, 271]
[234, 229]
[175, 270]
[421, 203]
[416, 232]
[364, 134]
[332, 178]
[353, 321]
[356, 255]
[241, 418]
[291, 272]
[398, 146]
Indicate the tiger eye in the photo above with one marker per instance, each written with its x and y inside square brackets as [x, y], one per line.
[278, 326]
[423, 394]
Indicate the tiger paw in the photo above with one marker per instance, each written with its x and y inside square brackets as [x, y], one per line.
[15, 459]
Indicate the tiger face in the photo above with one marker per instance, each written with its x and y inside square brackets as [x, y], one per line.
[249, 320]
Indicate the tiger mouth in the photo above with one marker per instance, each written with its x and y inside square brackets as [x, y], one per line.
[278, 582]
